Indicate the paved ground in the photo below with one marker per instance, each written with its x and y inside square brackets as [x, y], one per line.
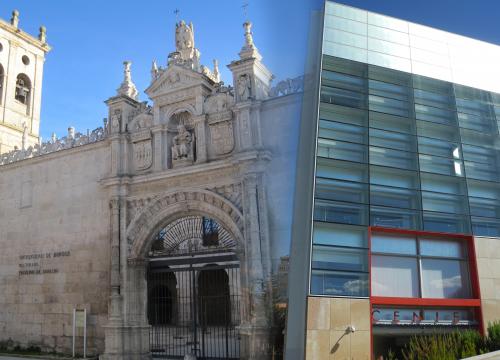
[20, 357]
[16, 358]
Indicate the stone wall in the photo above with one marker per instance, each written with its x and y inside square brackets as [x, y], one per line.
[327, 321]
[488, 265]
[280, 119]
[54, 241]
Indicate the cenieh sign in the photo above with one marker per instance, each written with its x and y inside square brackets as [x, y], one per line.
[422, 316]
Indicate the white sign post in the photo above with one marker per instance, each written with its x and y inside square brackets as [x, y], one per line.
[80, 321]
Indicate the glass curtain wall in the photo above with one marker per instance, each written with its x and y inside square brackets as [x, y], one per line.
[401, 151]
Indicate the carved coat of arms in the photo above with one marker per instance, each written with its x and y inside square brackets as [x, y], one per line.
[142, 150]
[222, 137]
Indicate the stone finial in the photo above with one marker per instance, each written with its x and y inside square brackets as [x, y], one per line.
[71, 132]
[127, 87]
[216, 70]
[249, 50]
[42, 35]
[53, 137]
[14, 20]
[248, 34]
[154, 70]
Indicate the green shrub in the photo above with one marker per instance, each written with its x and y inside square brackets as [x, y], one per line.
[453, 346]
[493, 338]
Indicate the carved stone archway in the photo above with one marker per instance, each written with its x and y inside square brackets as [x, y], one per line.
[170, 206]
[159, 212]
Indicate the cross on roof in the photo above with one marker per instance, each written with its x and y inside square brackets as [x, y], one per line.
[245, 6]
[176, 12]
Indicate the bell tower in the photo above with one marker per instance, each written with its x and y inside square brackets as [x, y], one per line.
[21, 71]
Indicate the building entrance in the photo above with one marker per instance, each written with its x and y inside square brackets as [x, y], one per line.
[194, 293]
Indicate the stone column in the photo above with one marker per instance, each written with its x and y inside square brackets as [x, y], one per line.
[255, 333]
[113, 330]
[115, 155]
[115, 313]
[158, 155]
[136, 339]
[201, 139]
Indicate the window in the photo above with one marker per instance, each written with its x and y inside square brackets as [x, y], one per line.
[413, 266]
[342, 131]
[342, 150]
[23, 89]
[433, 99]
[434, 114]
[339, 265]
[395, 123]
[343, 97]
[393, 158]
[393, 140]
[340, 212]
[395, 218]
[343, 114]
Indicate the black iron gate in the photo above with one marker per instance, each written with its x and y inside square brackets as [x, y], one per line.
[194, 307]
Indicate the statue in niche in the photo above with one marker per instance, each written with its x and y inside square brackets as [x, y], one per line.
[244, 87]
[182, 143]
[115, 122]
[184, 36]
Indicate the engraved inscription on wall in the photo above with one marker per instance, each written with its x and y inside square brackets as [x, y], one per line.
[41, 263]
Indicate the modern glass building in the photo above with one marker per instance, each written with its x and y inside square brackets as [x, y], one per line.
[397, 219]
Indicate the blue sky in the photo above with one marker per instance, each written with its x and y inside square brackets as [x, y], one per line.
[90, 39]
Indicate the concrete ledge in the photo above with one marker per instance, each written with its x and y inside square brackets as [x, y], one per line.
[491, 355]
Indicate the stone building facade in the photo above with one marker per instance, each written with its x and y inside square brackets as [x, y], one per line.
[85, 220]
[21, 72]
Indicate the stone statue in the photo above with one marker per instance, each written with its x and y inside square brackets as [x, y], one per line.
[216, 70]
[184, 36]
[244, 87]
[182, 143]
[185, 53]
[71, 132]
[42, 36]
[115, 122]
[154, 70]
[14, 20]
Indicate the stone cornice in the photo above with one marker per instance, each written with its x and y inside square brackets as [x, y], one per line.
[25, 36]
[114, 99]
[236, 160]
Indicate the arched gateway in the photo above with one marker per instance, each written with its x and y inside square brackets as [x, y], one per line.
[194, 290]
[186, 272]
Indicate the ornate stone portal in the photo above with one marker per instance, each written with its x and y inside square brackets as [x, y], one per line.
[197, 135]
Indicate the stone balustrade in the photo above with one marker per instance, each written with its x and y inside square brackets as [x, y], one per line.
[54, 144]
